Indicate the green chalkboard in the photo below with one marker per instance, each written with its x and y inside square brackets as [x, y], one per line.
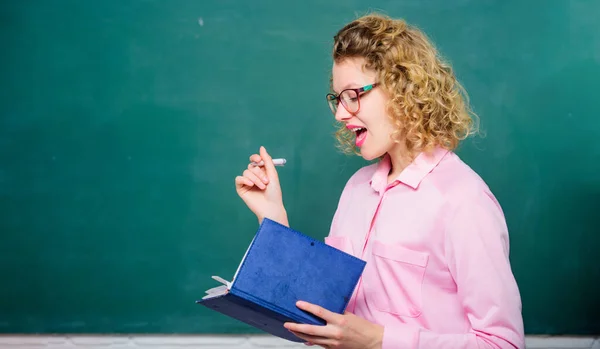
[123, 124]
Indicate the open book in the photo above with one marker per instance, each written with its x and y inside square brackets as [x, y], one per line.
[280, 267]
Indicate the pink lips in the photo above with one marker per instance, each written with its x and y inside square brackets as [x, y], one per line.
[360, 137]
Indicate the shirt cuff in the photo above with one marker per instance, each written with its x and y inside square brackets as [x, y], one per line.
[399, 337]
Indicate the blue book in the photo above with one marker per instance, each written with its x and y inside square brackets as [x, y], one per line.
[280, 267]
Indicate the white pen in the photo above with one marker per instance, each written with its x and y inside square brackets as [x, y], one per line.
[276, 162]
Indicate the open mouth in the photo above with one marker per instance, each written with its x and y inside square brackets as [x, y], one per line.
[361, 135]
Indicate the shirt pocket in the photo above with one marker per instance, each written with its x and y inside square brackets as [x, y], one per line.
[394, 279]
[341, 243]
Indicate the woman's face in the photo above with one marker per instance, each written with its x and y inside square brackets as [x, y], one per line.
[371, 124]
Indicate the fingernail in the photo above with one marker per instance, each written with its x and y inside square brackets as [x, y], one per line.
[265, 179]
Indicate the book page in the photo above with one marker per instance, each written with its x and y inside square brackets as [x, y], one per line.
[243, 259]
[221, 280]
[216, 291]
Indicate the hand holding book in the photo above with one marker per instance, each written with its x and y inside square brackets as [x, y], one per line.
[342, 330]
[281, 267]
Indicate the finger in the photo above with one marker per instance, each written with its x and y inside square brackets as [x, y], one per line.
[255, 158]
[311, 330]
[243, 181]
[254, 178]
[269, 166]
[314, 340]
[328, 316]
[259, 173]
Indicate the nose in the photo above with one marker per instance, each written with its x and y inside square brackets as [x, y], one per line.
[341, 114]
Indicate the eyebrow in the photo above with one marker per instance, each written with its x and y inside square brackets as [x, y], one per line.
[346, 87]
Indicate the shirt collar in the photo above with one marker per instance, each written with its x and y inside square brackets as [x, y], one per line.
[413, 174]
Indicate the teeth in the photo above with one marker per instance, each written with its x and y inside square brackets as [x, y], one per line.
[356, 129]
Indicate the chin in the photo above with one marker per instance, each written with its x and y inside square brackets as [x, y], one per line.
[370, 155]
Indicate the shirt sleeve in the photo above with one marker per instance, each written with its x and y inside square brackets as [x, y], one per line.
[477, 251]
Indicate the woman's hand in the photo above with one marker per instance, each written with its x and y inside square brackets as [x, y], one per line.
[346, 331]
[260, 189]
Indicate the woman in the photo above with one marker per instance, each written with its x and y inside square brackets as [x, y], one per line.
[433, 235]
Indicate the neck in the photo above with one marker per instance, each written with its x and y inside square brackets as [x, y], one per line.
[400, 158]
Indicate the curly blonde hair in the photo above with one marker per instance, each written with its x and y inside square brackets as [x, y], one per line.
[428, 105]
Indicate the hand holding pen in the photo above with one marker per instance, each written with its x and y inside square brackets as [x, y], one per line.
[259, 187]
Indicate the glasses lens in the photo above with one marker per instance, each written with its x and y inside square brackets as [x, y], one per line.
[350, 100]
[332, 101]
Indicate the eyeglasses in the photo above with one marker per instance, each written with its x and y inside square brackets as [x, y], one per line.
[350, 98]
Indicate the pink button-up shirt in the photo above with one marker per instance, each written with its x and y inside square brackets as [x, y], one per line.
[436, 245]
